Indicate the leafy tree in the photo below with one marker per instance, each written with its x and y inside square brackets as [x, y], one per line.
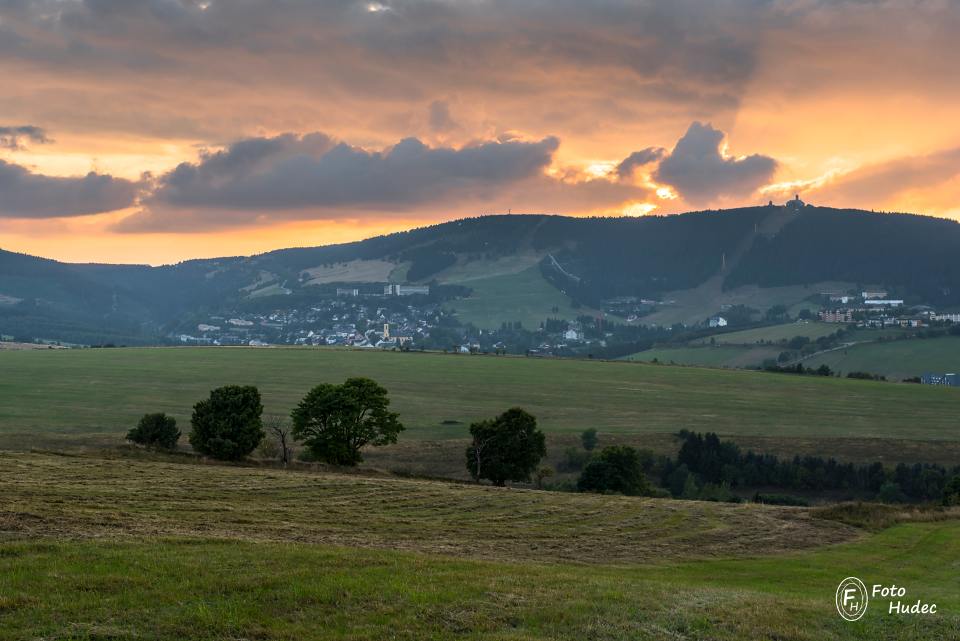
[507, 448]
[227, 425]
[336, 421]
[951, 493]
[616, 469]
[589, 439]
[156, 430]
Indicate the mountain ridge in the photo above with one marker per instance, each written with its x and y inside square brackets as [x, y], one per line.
[592, 260]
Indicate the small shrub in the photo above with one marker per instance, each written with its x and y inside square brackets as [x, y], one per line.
[780, 499]
[543, 472]
[156, 430]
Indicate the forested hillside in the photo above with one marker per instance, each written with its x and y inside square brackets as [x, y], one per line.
[589, 259]
[917, 257]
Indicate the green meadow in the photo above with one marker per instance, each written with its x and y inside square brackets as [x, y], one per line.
[896, 359]
[523, 297]
[774, 333]
[85, 395]
[104, 541]
[723, 355]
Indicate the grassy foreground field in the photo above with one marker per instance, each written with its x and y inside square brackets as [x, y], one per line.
[94, 548]
[82, 396]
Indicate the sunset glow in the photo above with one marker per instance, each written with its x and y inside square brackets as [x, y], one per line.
[218, 128]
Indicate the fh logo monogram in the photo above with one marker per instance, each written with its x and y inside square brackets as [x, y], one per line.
[852, 598]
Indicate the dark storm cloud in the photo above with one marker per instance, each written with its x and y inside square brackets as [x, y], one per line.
[295, 177]
[639, 159]
[698, 170]
[24, 194]
[13, 138]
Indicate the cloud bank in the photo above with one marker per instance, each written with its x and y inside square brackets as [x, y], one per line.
[314, 176]
[24, 194]
[701, 173]
[291, 177]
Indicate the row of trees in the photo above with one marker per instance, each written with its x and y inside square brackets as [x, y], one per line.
[707, 468]
[705, 461]
[334, 422]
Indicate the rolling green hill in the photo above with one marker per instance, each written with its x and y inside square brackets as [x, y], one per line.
[79, 394]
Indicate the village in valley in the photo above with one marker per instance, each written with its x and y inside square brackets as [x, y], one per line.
[385, 316]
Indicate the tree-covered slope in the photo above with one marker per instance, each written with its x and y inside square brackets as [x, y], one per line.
[914, 257]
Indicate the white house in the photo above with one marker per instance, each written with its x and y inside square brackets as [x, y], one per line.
[717, 321]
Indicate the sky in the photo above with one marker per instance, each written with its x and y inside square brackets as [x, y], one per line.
[153, 131]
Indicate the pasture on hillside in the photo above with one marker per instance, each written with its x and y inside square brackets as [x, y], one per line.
[508, 298]
[708, 355]
[895, 359]
[98, 394]
[773, 333]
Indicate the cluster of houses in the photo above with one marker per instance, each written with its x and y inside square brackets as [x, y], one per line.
[949, 380]
[388, 290]
[876, 310]
[328, 322]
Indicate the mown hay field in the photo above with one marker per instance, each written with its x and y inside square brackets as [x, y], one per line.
[109, 548]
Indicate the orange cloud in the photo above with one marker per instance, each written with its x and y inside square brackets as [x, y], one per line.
[131, 86]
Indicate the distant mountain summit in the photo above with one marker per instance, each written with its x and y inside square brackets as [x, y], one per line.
[588, 260]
